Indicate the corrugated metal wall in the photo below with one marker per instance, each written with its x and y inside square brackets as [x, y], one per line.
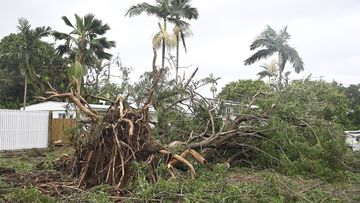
[23, 129]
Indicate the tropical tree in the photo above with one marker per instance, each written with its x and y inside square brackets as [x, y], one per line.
[162, 9]
[182, 9]
[270, 70]
[45, 64]
[84, 44]
[164, 39]
[31, 37]
[272, 42]
[213, 81]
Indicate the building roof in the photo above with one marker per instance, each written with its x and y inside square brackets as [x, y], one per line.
[48, 106]
[59, 106]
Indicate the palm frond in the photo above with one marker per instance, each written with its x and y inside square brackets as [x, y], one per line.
[284, 35]
[295, 59]
[88, 20]
[60, 35]
[43, 31]
[24, 28]
[23, 24]
[102, 42]
[156, 41]
[183, 9]
[182, 36]
[263, 74]
[262, 42]
[263, 53]
[67, 21]
[101, 54]
[62, 49]
[178, 22]
[141, 8]
[79, 23]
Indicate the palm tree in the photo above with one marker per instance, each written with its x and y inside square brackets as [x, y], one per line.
[162, 9]
[270, 70]
[86, 38]
[30, 37]
[273, 42]
[163, 38]
[182, 9]
[84, 43]
[213, 81]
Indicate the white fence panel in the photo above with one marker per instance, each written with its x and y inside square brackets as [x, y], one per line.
[23, 129]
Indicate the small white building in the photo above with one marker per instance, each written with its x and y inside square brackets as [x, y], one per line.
[353, 139]
[61, 109]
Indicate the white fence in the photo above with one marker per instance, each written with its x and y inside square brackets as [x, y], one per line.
[23, 129]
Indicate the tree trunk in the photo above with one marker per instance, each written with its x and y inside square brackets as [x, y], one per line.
[163, 55]
[25, 92]
[281, 68]
[39, 83]
[154, 69]
[163, 48]
[177, 59]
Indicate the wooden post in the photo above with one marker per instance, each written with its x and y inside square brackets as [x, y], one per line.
[50, 141]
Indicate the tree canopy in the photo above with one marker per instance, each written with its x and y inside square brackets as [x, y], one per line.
[270, 42]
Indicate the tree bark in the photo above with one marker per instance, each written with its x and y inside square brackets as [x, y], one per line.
[25, 92]
[163, 54]
[163, 48]
[281, 69]
[177, 59]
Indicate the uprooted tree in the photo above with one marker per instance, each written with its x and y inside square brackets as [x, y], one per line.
[110, 144]
[293, 130]
[114, 141]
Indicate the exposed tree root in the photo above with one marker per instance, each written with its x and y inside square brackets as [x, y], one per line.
[111, 144]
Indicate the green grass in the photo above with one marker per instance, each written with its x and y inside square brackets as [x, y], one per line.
[212, 185]
[27, 194]
[26, 161]
[21, 163]
[245, 185]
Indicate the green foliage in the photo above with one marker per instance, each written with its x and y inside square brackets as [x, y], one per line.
[42, 61]
[84, 43]
[76, 71]
[98, 194]
[303, 135]
[27, 194]
[209, 186]
[239, 185]
[242, 91]
[353, 95]
[22, 163]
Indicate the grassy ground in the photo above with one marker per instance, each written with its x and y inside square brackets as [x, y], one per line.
[217, 184]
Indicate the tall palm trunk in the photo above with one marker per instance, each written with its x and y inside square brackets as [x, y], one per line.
[25, 92]
[163, 54]
[39, 84]
[177, 59]
[281, 68]
[163, 48]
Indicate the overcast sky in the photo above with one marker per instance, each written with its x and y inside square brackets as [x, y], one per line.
[326, 33]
